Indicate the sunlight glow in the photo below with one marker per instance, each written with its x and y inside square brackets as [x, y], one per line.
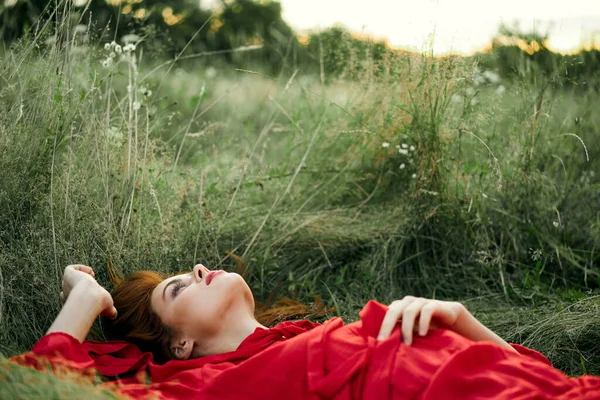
[444, 26]
[170, 18]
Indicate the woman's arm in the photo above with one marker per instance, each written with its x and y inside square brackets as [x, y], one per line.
[436, 313]
[468, 326]
[79, 312]
[85, 300]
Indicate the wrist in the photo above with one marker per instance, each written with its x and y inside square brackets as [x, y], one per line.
[89, 296]
[466, 325]
[462, 315]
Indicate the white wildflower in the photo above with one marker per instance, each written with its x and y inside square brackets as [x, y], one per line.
[113, 44]
[50, 40]
[112, 54]
[470, 91]
[474, 101]
[80, 29]
[107, 46]
[146, 92]
[555, 223]
[129, 48]
[211, 72]
[404, 146]
[491, 76]
[107, 63]
[412, 148]
[136, 105]
[130, 38]
[537, 254]
[118, 49]
[500, 91]
[414, 176]
[114, 136]
[403, 151]
[477, 78]
[402, 166]
[385, 145]
[457, 98]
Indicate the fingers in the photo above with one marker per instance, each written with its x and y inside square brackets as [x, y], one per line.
[425, 319]
[83, 268]
[71, 276]
[392, 315]
[407, 311]
[412, 311]
[111, 313]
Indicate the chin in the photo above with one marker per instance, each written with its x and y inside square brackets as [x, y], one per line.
[240, 286]
[234, 292]
[232, 280]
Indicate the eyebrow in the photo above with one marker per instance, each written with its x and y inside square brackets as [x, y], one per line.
[174, 281]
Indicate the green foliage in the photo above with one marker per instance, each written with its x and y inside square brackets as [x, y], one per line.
[18, 382]
[335, 53]
[526, 56]
[166, 28]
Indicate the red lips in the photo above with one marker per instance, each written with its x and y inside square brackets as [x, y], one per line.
[211, 275]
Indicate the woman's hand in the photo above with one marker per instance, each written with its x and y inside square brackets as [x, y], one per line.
[80, 278]
[443, 314]
[71, 278]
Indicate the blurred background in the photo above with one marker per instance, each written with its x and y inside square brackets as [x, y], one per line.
[329, 151]
[285, 34]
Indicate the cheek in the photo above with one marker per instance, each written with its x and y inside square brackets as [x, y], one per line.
[203, 307]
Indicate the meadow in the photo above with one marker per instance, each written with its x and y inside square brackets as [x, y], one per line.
[424, 175]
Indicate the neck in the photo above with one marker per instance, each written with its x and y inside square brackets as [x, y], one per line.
[239, 328]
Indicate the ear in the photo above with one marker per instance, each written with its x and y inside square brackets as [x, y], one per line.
[181, 348]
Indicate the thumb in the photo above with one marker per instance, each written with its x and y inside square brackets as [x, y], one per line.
[110, 312]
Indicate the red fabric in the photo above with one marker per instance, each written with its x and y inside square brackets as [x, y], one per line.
[303, 360]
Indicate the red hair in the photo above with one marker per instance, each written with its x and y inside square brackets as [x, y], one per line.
[137, 322]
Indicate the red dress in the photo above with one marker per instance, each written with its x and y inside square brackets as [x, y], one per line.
[304, 360]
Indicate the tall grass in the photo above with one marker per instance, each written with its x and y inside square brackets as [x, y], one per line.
[420, 180]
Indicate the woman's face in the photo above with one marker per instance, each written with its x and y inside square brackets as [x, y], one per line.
[196, 305]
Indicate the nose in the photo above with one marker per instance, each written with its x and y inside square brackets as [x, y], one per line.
[200, 272]
[198, 269]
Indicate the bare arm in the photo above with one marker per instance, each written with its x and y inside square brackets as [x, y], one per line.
[85, 300]
[468, 326]
[79, 312]
[419, 314]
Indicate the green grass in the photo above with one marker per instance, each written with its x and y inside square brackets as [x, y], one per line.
[496, 206]
[17, 382]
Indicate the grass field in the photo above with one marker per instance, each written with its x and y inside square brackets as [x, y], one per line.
[420, 178]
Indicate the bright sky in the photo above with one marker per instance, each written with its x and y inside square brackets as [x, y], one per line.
[459, 25]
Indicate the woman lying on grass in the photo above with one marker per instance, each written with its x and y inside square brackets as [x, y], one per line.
[203, 322]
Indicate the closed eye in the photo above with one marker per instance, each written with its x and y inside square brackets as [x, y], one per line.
[176, 289]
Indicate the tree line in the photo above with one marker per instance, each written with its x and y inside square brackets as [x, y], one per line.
[169, 28]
